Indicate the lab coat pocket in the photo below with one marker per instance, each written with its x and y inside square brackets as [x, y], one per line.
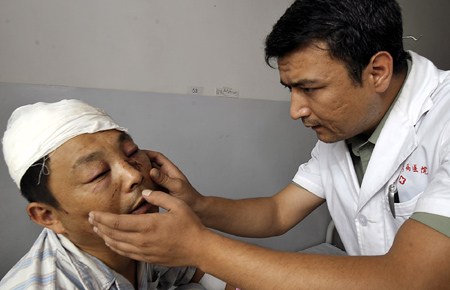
[405, 209]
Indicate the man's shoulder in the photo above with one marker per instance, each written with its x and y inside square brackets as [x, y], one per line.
[37, 268]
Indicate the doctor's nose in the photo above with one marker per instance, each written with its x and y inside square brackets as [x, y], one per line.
[299, 107]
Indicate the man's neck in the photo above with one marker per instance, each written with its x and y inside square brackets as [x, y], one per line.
[123, 265]
[396, 85]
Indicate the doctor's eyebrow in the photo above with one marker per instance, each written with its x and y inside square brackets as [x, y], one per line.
[300, 83]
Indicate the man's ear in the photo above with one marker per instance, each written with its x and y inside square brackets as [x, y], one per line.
[45, 216]
[382, 69]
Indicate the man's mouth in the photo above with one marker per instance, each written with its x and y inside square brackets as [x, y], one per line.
[313, 126]
[143, 207]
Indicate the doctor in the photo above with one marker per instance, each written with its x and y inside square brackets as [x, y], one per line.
[382, 116]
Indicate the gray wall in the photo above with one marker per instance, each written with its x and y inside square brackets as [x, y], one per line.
[167, 46]
[153, 45]
[430, 20]
[227, 147]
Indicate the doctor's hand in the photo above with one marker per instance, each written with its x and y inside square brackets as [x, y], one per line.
[169, 238]
[167, 175]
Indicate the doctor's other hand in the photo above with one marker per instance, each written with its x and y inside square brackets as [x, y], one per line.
[168, 238]
[167, 175]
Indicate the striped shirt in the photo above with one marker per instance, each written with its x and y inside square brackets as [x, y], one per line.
[54, 262]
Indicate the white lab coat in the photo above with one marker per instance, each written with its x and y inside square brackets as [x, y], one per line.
[412, 151]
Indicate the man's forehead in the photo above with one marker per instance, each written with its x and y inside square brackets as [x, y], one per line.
[88, 147]
[37, 130]
[309, 67]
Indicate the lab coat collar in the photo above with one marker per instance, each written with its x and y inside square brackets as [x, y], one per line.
[398, 137]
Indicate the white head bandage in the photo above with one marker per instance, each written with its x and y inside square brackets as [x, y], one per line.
[34, 131]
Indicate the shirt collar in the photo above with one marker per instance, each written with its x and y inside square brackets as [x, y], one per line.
[89, 266]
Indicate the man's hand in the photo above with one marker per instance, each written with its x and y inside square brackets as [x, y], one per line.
[168, 238]
[168, 176]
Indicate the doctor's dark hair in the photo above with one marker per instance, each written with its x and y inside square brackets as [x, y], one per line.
[34, 184]
[354, 30]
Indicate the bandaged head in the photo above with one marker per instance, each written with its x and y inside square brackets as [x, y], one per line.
[34, 131]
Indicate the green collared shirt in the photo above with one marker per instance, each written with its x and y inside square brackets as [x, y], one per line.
[361, 147]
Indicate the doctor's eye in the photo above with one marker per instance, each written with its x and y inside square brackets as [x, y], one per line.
[309, 90]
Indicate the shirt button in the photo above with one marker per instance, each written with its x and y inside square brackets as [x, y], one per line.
[362, 220]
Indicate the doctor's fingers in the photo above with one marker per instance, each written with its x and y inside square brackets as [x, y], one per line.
[127, 233]
[176, 187]
[118, 227]
[162, 244]
[153, 156]
[173, 185]
[119, 230]
[158, 159]
[161, 162]
[136, 251]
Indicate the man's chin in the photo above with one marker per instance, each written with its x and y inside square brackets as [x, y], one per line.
[328, 139]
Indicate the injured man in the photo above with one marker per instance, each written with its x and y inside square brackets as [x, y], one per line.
[69, 158]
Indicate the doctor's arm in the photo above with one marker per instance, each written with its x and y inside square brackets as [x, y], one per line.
[418, 258]
[253, 217]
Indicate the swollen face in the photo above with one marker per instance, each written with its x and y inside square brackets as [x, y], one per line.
[104, 171]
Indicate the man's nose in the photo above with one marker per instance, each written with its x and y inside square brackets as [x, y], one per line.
[131, 175]
[299, 106]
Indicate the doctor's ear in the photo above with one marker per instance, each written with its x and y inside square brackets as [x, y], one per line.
[46, 216]
[382, 69]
